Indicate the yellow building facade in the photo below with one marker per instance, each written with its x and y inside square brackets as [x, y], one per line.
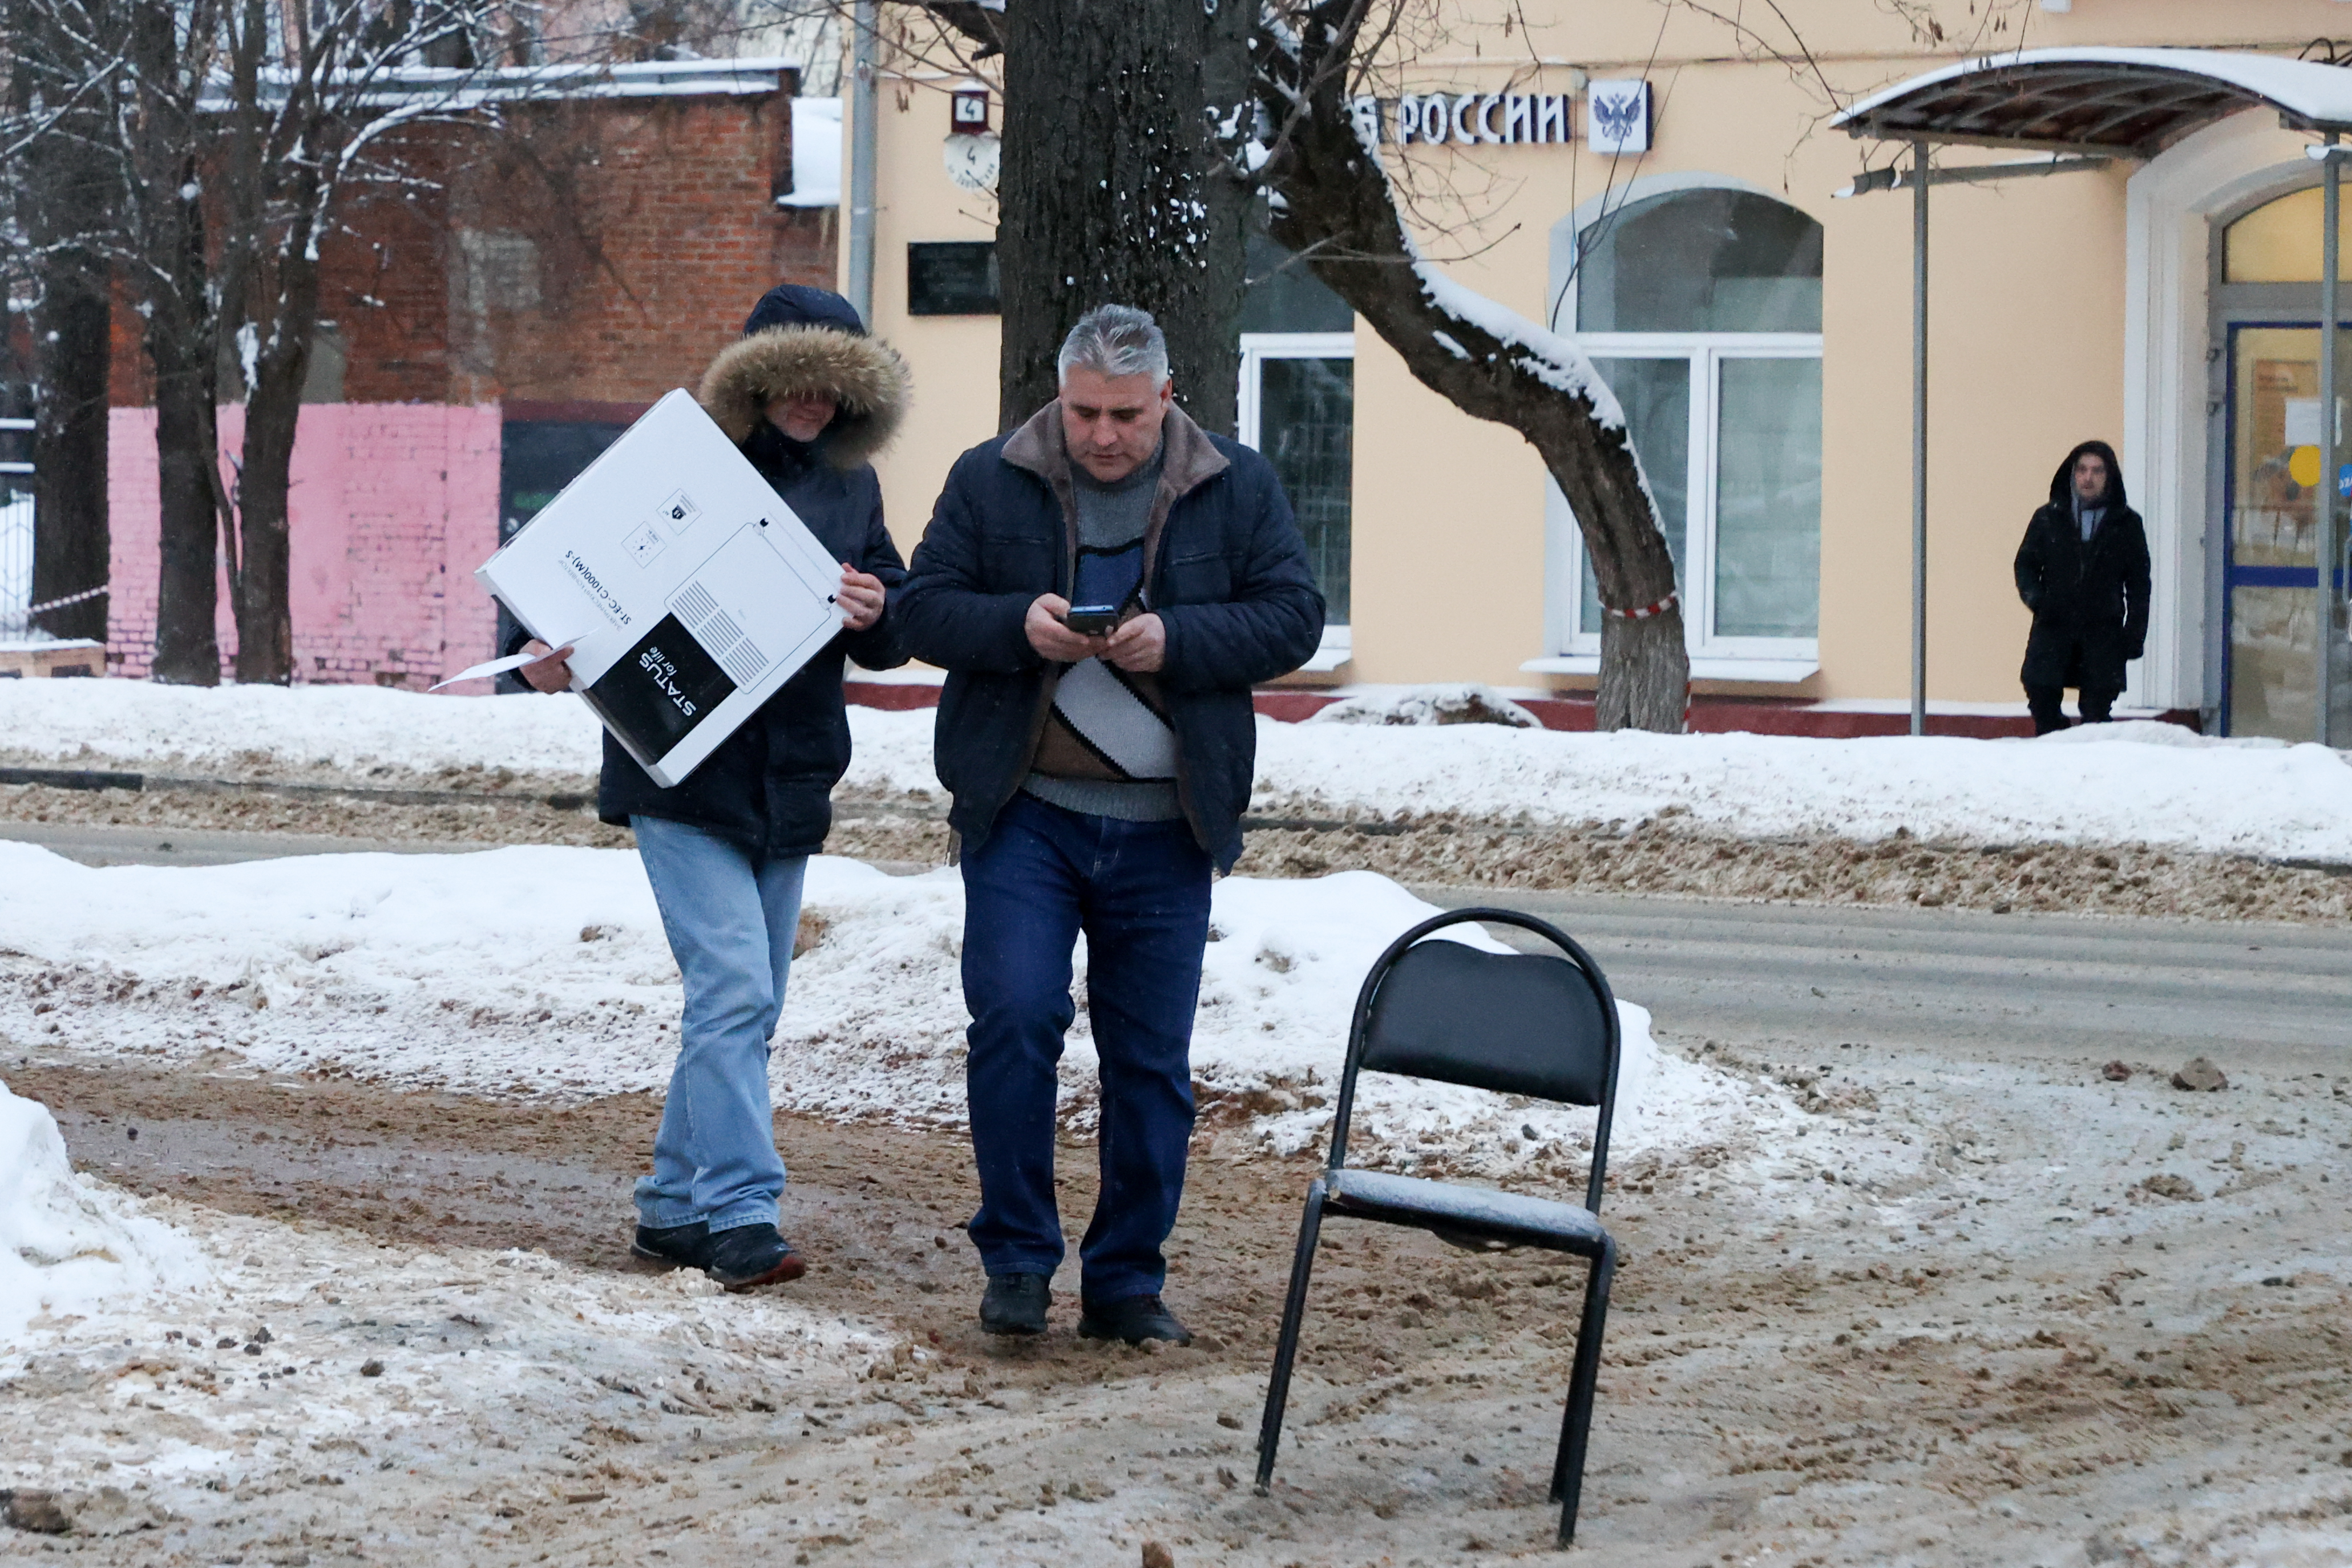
[1758, 329]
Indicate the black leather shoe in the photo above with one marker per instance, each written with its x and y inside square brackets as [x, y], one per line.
[745, 1256]
[1135, 1319]
[1015, 1304]
[680, 1246]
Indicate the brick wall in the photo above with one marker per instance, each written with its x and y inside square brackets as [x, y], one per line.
[593, 250]
[593, 253]
[393, 505]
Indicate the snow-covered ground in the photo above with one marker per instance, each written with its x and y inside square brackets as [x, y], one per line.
[349, 728]
[218, 1352]
[545, 969]
[2121, 783]
[1884, 1309]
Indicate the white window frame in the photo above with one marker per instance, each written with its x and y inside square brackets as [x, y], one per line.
[1574, 648]
[1339, 642]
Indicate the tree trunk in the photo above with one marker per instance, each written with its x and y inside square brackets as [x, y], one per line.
[1645, 674]
[70, 550]
[1114, 195]
[1339, 211]
[265, 632]
[166, 224]
[181, 346]
[63, 201]
[273, 409]
[187, 454]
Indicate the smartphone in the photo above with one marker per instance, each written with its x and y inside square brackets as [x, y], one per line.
[1091, 620]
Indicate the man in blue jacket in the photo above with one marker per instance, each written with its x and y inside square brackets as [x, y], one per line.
[809, 397]
[1103, 585]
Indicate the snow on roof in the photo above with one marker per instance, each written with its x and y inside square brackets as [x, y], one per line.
[449, 89]
[2128, 100]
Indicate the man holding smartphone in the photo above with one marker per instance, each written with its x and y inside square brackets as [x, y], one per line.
[1104, 586]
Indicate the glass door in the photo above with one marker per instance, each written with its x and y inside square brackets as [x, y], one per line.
[2271, 568]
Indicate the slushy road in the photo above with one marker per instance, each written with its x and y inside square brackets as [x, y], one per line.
[2276, 997]
[2273, 997]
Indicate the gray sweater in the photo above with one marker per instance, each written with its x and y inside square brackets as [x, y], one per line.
[1103, 708]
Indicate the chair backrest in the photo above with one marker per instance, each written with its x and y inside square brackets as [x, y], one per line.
[1516, 1023]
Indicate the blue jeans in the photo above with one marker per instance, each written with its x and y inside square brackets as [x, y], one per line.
[1139, 890]
[731, 917]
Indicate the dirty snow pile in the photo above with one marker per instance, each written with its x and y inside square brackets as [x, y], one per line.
[67, 1246]
[1383, 755]
[195, 730]
[1401, 758]
[2119, 783]
[1454, 704]
[875, 1024]
[544, 969]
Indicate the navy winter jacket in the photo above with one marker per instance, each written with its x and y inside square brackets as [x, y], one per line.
[1230, 581]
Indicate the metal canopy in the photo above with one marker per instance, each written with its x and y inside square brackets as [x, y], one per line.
[2134, 102]
[2130, 103]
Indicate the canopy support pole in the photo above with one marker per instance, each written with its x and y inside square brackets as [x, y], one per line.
[1920, 182]
[2323, 511]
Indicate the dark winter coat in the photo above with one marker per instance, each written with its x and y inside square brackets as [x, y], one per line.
[768, 785]
[2089, 601]
[1228, 576]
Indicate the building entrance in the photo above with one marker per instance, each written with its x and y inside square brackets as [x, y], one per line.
[2267, 330]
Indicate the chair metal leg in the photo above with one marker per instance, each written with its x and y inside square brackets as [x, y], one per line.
[1294, 1308]
[1576, 1421]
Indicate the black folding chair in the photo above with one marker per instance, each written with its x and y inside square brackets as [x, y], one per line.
[1517, 1022]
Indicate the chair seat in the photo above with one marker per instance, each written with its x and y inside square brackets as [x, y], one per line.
[1537, 1221]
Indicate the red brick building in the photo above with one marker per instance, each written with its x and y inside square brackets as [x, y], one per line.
[563, 270]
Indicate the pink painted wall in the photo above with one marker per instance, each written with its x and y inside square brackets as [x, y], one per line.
[393, 505]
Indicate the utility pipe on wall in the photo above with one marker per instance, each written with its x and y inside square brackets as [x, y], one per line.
[863, 111]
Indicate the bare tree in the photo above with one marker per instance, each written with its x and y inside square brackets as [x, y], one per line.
[1340, 209]
[1117, 193]
[312, 106]
[1076, 193]
[60, 203]
[170, 60]
[233, 134]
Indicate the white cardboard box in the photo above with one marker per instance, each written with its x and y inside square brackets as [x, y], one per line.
[688, 590]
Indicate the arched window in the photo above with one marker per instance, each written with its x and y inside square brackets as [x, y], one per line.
[1702, 307]
[2279, 242]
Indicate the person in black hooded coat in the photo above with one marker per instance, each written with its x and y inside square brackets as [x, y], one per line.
[2083, 571]
[808, 397]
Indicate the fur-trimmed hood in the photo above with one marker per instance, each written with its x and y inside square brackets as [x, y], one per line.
[864, 376]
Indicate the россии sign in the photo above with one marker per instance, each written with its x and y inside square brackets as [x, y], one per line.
[1500, 119]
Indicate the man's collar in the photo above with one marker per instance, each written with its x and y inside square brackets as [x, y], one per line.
[1188, 457]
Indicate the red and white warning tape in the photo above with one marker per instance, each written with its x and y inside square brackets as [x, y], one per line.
[69, 599]
[1646, 611]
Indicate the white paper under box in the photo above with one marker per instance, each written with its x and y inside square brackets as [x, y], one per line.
[688, 590]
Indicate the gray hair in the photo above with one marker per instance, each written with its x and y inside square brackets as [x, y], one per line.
[1116, 341]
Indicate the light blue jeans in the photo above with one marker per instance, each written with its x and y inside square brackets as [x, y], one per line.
[731, 917]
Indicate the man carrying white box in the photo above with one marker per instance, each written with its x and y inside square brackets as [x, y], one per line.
[808, 397]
